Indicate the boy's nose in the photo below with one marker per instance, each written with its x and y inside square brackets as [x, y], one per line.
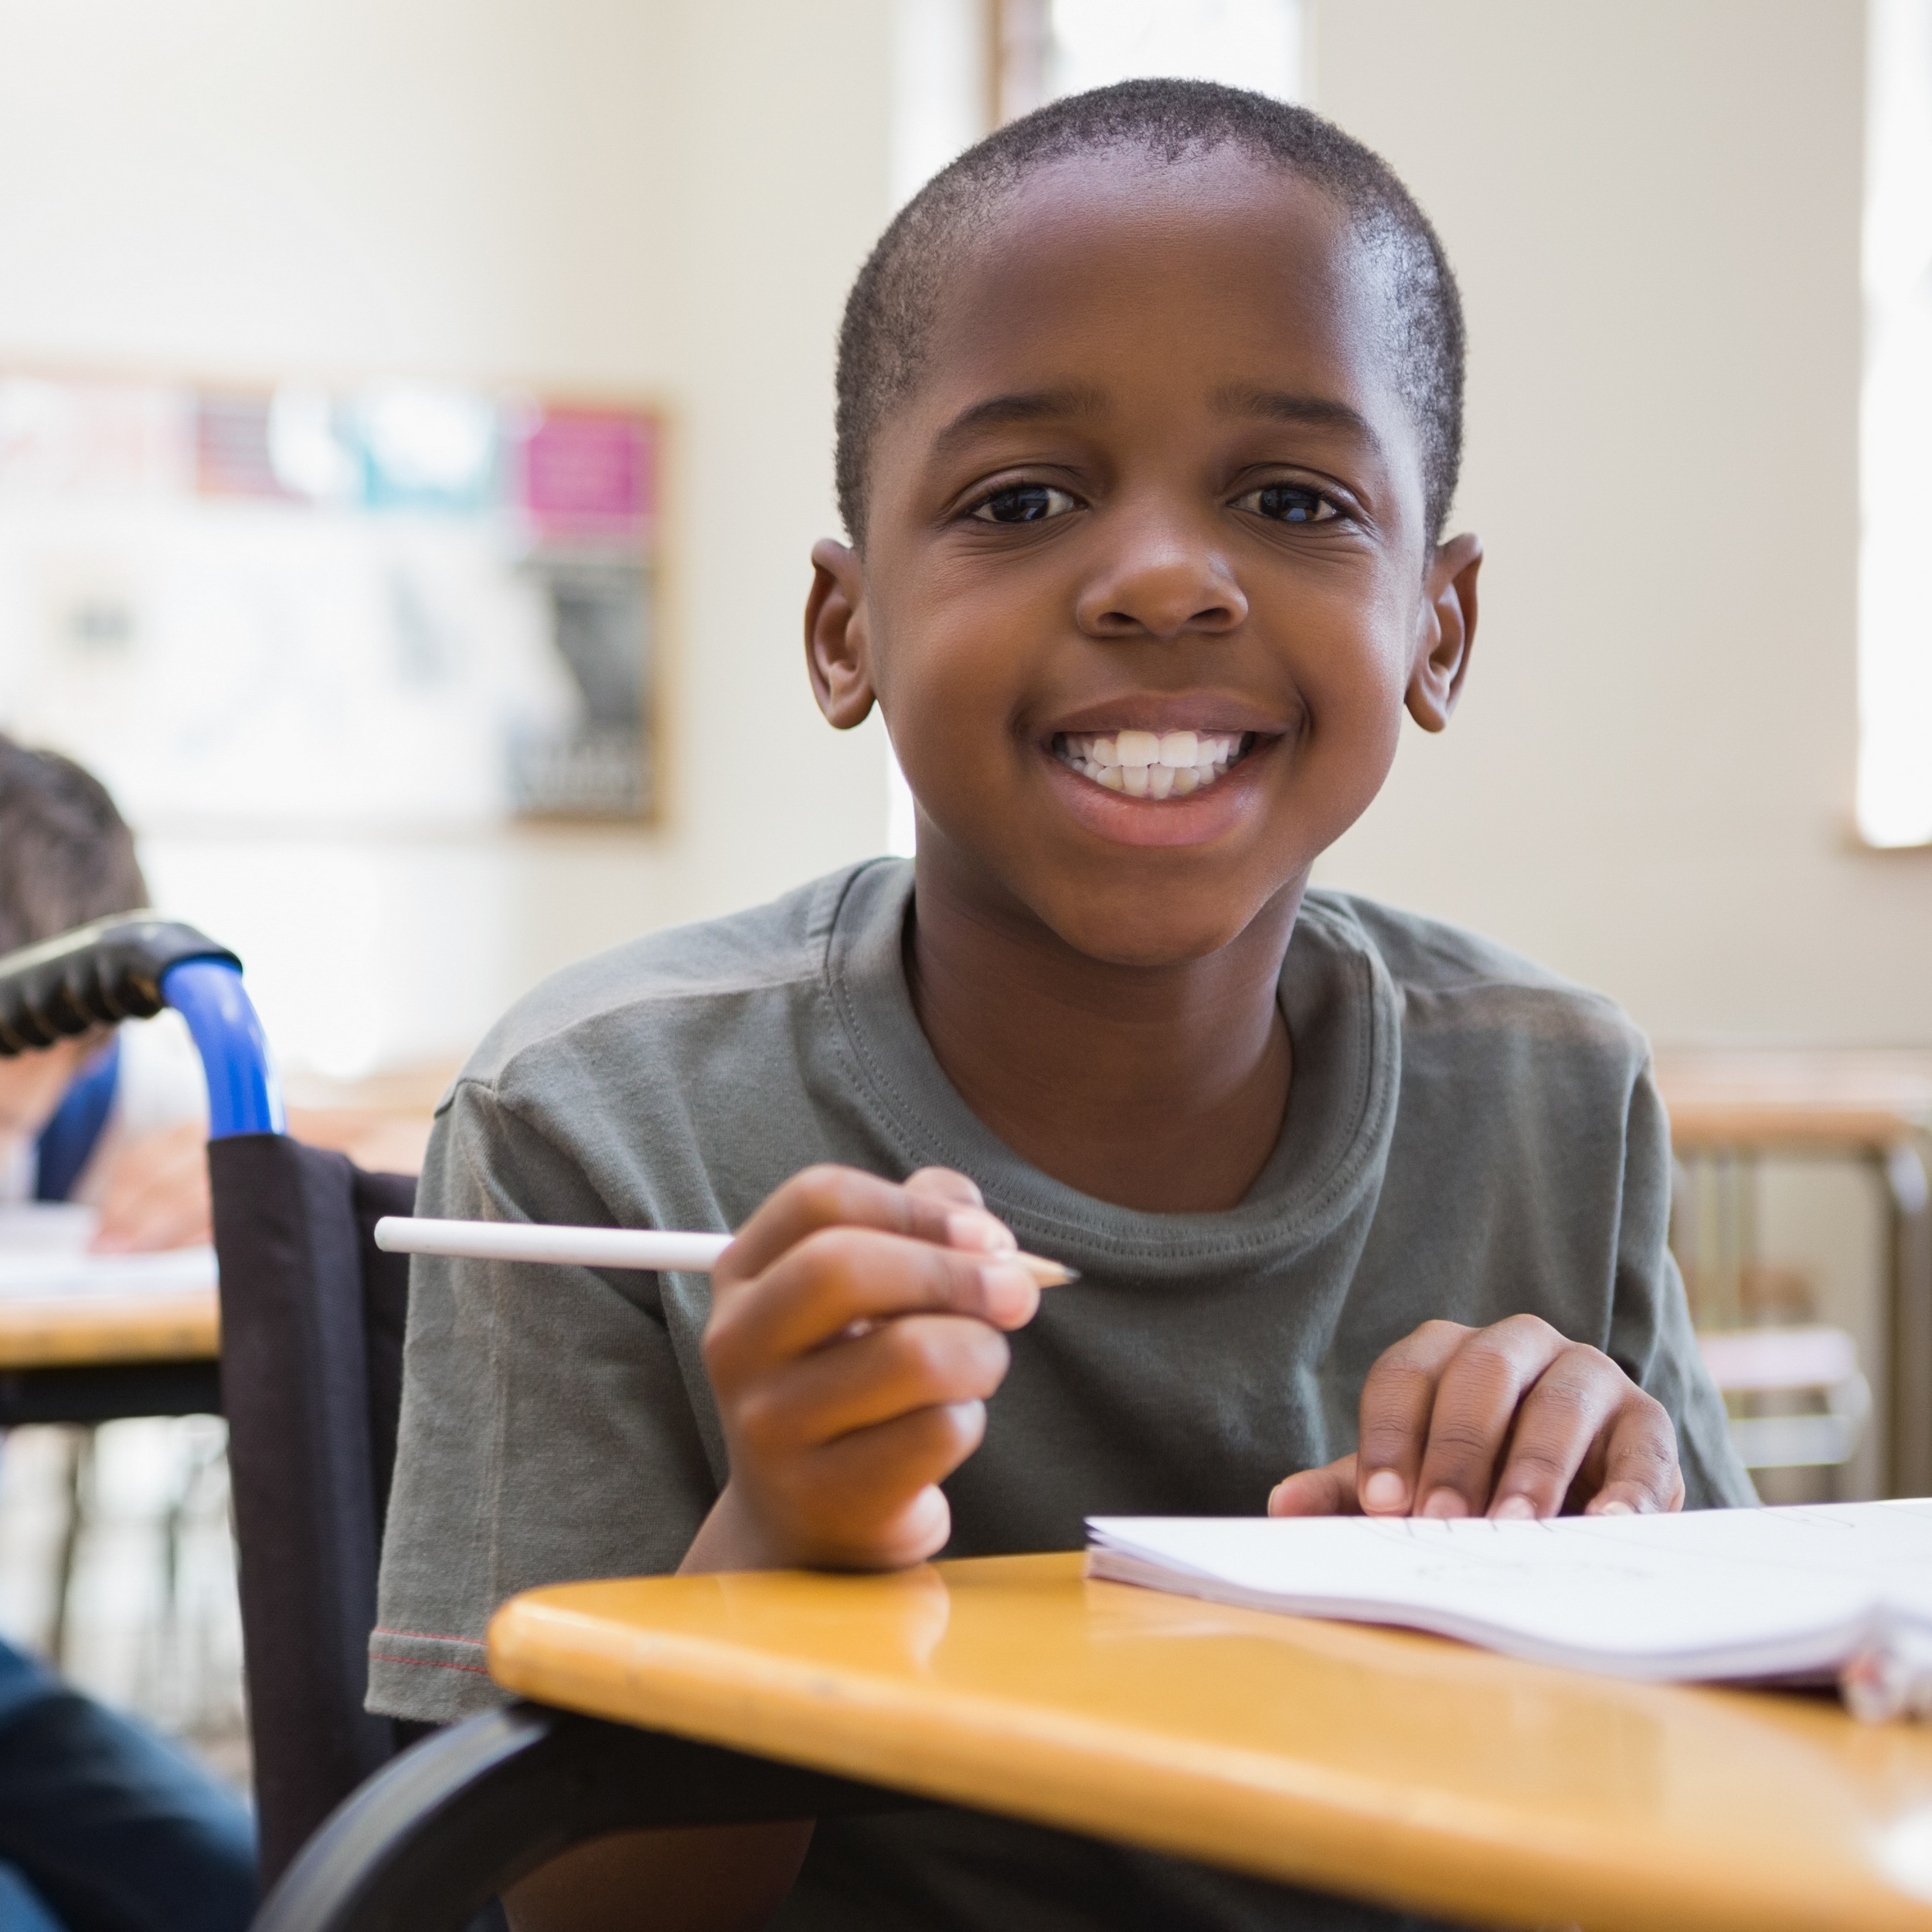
[1161, 587]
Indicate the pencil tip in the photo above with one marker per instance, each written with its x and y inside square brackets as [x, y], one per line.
[1048, 1274]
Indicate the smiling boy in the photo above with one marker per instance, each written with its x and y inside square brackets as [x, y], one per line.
[1149, 418]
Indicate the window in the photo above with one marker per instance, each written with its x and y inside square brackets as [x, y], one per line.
[1895, 615]
[1049, 47]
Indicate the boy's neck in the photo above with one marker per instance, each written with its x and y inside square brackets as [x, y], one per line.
[1161, 1089]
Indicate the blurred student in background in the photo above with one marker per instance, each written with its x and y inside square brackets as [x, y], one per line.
[103, 1827]
[118, 1122]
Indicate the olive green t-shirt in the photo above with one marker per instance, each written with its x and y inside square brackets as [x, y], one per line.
[1467, 1136]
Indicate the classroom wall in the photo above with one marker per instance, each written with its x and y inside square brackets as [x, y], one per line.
[595, 194]
[1654, 206]
[1653, 209]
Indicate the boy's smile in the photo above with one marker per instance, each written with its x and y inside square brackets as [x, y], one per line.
[1160, 760]
[1144, 586]
[1166, 761]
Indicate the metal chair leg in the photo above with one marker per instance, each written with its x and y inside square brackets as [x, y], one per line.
[446, 1826]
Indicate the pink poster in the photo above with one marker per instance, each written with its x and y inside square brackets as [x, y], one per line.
[590, 473]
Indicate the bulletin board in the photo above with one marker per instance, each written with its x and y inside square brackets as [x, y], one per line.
[385, 605]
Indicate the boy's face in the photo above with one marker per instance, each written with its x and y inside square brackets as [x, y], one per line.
[1157, 480]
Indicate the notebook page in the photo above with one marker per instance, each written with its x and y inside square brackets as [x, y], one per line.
[1714, 1593]
[44, 1256]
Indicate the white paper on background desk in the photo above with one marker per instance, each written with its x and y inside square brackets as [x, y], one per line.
[44, 1256]
[1735, 1593]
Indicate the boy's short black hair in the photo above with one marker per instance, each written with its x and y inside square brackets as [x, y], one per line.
[889, 314]
[66, 855]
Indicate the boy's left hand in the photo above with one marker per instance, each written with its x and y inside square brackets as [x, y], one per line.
[1510, 1420]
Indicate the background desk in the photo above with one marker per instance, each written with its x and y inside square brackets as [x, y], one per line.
[1874, 1107]
[95, 1358]
[1399, 1767]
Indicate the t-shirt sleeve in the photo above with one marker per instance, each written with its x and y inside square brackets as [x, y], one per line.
[1650, 1335]
[547, 1434]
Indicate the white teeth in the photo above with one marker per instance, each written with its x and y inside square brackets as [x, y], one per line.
[1145, 764]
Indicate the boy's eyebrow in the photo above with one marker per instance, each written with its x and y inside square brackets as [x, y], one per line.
[1282, 406]
[1236, 398]
[1030, 406]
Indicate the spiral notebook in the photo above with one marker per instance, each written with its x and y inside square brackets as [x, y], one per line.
[1789, 1594]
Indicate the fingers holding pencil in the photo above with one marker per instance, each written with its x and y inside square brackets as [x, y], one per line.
[934, 1205]
[834, 1248]
[857, 1329]
[963, 1225]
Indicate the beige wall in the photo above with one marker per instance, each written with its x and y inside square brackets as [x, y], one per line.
[635, 194]
[1654, 209]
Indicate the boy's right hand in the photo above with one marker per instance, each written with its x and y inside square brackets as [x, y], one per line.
[856, 1333]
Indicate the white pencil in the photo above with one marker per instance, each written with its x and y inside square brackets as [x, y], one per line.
[600, 1247]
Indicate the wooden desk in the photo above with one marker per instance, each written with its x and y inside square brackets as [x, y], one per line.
[1397, 1767]
[94, 1329]
[95, 1358]
[1808, 1101]
[1871, 1106]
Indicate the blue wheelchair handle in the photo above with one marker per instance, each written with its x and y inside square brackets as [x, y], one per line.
[244, 1097]
[128, 967]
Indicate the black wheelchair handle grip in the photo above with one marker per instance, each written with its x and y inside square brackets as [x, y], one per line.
[94, 976]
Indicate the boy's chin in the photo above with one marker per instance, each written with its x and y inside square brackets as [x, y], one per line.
[1133, 937]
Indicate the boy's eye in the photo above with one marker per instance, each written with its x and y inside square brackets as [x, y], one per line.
[1288, 503]
[1025, 503]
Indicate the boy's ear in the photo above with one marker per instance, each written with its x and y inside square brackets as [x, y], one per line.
[1445, 630]
[836, 639]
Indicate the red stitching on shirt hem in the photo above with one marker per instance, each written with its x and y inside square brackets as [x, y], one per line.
[427, 1663]
[426, 1636]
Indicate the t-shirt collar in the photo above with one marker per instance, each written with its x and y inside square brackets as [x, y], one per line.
[1343, 1014]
